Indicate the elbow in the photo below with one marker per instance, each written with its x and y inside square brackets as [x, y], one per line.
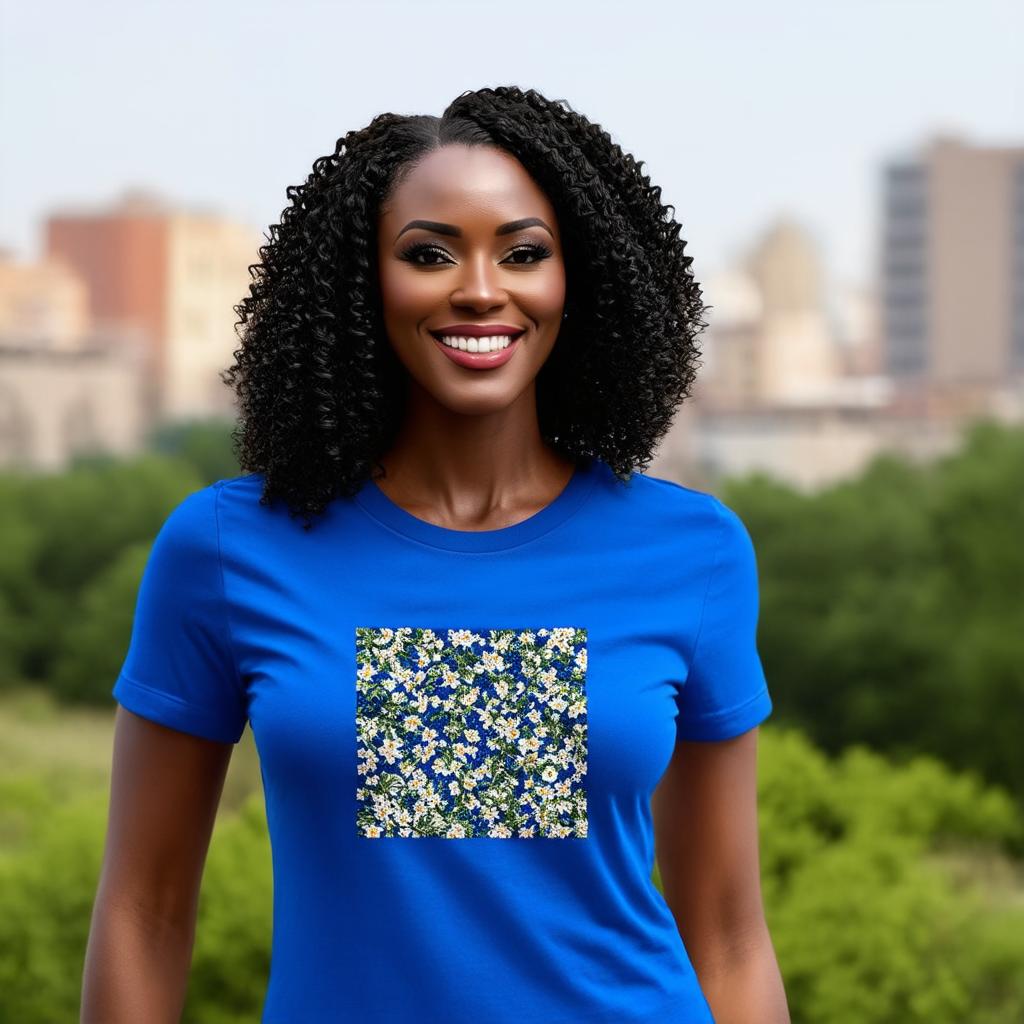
[720, 932]
[725, 946]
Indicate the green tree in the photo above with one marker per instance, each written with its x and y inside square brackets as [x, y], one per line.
[94, 644]
[204, 444]
[890, 604]
[890, 891]
[59, 534]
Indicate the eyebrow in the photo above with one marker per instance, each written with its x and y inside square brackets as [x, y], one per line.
[452, 229]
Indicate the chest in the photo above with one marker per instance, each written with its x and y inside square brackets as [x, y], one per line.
[496, 696]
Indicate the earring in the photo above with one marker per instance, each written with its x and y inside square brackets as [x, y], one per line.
[564, 315]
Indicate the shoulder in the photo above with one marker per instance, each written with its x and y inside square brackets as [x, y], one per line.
[239, 488]
[238, 501]
[204, 503]
[246, 496]
[695, 518]
[188, 539]
[193, 525]
[193, 519]
[250, 520]
[670, 505]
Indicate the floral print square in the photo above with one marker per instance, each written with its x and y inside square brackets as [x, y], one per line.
[465, 734]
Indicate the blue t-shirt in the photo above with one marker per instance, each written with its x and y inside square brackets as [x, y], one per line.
[459, 733]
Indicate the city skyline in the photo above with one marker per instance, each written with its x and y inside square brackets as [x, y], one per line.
[820, 101]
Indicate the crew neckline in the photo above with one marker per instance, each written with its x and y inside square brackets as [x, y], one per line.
[375, 502]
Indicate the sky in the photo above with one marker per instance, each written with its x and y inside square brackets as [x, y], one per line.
[742, 111]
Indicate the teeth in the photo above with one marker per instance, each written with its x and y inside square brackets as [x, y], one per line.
[487, 344]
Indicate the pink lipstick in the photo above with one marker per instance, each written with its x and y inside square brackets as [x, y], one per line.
[459, 340]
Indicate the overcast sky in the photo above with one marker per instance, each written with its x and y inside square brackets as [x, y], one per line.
[742, 110]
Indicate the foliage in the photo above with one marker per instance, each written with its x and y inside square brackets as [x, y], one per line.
[891, 611]
[205, 444]
[47, 889]
[67, 530]
[888, 892]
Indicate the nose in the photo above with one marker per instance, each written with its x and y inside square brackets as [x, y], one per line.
[479, 286]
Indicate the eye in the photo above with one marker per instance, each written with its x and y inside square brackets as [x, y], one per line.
[540, 252]
[422, 254]
[421, 248]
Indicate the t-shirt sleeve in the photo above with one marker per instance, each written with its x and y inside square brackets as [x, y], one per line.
[725, 692]
[179, 670]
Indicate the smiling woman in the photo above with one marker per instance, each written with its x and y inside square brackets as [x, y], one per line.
[466, 683]
[479, 260]
[478, 338]
[509, 209]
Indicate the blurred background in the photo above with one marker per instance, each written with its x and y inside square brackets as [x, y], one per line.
[850, 179]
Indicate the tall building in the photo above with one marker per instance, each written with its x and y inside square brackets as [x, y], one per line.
[167, 280]
[791, 382]
[953, 268]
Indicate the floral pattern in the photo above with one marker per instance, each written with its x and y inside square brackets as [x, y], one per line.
[464, 734]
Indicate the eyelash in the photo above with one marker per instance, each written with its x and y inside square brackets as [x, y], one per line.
[542, 252]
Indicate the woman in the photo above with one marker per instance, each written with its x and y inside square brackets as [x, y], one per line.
[488, 641]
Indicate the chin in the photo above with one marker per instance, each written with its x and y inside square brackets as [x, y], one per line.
[477, 399]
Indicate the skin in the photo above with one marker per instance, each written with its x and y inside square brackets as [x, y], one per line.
[706, 842]
[164, 792]
[469, 456]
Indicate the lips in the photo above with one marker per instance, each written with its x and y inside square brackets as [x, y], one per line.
[466, 357]
[478, 331]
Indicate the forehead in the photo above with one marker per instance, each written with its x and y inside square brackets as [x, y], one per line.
[459, 184]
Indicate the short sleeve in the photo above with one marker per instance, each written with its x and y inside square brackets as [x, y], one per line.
[725, 692]
[179, 670]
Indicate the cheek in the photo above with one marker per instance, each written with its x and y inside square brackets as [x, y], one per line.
[406, 296]
[541, 296]
[410, 297]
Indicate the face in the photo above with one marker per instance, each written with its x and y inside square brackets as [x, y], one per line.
[468, 239]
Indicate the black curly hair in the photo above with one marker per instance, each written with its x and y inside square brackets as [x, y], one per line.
[320, 390]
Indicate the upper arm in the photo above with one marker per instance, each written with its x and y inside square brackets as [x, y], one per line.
[164, 791]
[183, 708]
[706, 838]
[725, 691]
[705, 805]
[180, 669]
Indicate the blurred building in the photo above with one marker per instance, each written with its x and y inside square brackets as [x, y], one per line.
[799, 357]
[772, 340]
[45, 305]
[808, 384]
[953, 275]
[859, 332]
[56, 404]
[167, 278]
[65, 389]
[789, 383]
[792, 382]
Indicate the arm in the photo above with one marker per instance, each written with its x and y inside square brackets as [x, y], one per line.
[165, 789]
[706, 838]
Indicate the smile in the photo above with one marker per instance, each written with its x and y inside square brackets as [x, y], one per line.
[478, 352]
[487, 343]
